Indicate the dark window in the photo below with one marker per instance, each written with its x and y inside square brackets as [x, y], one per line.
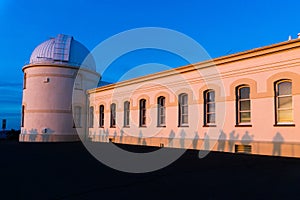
[142, 112]
[161, 111]
[77, 116]
[126, 113]
[209, 107]
[113, 115]
[23, 113]
[183, 110]
[101, 116]
[24, 80]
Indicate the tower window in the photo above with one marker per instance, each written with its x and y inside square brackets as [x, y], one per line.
[161, 111]
[243, 104]
[24, 80]
[183, 110]
[143, 112]
[77, 116]
[284, 102]
[23, 113]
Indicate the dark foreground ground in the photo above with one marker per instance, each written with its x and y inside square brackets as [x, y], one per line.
[68, 171]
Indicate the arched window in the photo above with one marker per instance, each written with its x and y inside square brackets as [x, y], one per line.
[23, 113]
[209, 108]
[243, 105]
[113, 115]
[283, 102]
[126, 113]
[101, 116]
[183, 110]
[91, 117]
[161, 111]
[143, 112]
[77, 117]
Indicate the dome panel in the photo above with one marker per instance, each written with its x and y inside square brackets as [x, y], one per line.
[63, 49]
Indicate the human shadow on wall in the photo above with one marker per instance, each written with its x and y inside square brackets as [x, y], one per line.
[182, 138]
[32, 135]
[121, 135]
[206, 142]
[47, 135]
[171, 138]
[221, 141]
[277, 141]
[195, 140]
[232, 139]
[140, 138]
[106, 134]
[247, 139]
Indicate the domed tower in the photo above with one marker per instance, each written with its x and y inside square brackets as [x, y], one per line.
[50, 81]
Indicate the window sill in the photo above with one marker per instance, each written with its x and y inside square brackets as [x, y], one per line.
[184, 126]
[142, 126]
[210, 125]
[161, 126]
[126, 126]
[287, 125]
[243, 125]
[101, 126]
[112, 127]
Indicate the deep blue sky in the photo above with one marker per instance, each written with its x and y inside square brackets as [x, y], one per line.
[221, 27]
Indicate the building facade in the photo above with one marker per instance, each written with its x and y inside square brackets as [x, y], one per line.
[244, 102]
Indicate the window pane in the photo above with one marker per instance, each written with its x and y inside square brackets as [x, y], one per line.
[211, 108]
[184, 119]
[285, 102]
[211, 118]
[244, 92]
[285, 88]
[245, 117]
[245, 105]
[285, 116]
[211, 96]
[184, 110]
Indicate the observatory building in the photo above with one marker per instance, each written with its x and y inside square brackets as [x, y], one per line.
[246, 102]
[49, 80]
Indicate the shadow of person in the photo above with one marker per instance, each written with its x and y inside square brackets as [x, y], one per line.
[182, 138]
[221, 141]
[206, 142]
[232, 139]
[171, 138]
[195, 140]
[277, 141]
[33, 134]
[144, 142]
[140, 138]
[121, 135]
[247, 139]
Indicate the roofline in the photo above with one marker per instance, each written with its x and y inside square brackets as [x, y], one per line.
[256, 52]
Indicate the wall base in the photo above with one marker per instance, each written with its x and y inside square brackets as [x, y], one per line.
[48, 138]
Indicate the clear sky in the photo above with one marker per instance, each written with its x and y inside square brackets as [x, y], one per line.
[221, 27]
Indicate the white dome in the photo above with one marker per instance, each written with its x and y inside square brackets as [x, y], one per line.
[63, 49]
